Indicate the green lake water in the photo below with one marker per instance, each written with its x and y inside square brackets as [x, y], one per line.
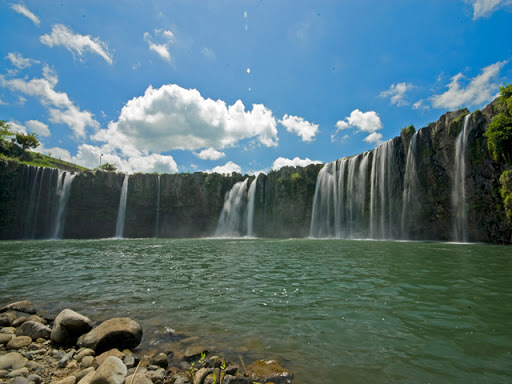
[332, 311]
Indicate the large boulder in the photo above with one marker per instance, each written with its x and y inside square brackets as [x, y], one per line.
[34, 330]
[69, 326]
[121, 333]
[269, 371]
[24, 306]
[111, 371]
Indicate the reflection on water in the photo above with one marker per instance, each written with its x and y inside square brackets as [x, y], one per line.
[333, 311]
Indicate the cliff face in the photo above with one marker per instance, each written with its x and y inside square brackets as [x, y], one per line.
[404, 189]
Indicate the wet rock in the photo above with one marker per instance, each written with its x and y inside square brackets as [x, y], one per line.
[34, 330]
[129, 361]
[19, 342]
[114, 333]
[229, 379]
[87, 361]
[160, 360]
[156, 375]
[12, 360]
[194, 351]
[83, 353]
[24, 306]
[182, 380]
[5, 338]
[269, 370]
[84, 373]
[67, 380]
[232, 369]
[87, 378]
[37, 319]
[113, 352]
[36, 379]
[200, 376]
[112, 371]
[7, 318]
[138, 379]
[69, 326]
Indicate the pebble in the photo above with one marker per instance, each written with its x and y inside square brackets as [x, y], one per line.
[84, 373]
[67, 380]
[18, 372]
[18, 342]
[5, 338]
[87, 361]
[12, 360]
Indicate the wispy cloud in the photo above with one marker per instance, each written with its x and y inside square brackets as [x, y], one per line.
[166, 38]
[75, 43]
[19, 61]
[21, 9]
[484, 8]
[396, 93]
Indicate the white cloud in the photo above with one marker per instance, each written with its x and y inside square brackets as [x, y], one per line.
[374, 138]
[480, 90]
[76, 43]
[281, 162]
[162, 48]
[210, 154]
[368, 122]
[19, 61]
[2, 102]
[172, 117]
[21, 9]
[61, 108]
[420, 104]
[16, 127]
[208, 53]
[56, 152]
[227, 168]
[301, 127]
[483, 8]
[396, 93]
[40, 129]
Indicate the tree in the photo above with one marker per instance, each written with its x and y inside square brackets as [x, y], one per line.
[27, 140]
[499, 132]
[108, 167]
[4, 129]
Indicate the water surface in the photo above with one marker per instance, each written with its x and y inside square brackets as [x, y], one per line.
[333, 311]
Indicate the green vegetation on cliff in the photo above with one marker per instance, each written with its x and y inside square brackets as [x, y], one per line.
[506, 192]
[499, 133]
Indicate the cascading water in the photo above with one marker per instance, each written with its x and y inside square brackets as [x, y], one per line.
[63, 190]
[460, 220]
[157, 206]
[231, 221]
[381, 202]
[250, 207]
[29, 218]
[339, 200]
[410, 186]
[122, 209]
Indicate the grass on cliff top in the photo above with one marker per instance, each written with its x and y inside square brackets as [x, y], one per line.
[39, 160]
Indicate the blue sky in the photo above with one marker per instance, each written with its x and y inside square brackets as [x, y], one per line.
[247, 86]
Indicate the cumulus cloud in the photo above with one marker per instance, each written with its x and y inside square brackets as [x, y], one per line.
[480, 90]
[396, 93]
[210, 154]
[19, 61]
[16, 127]
[227, 168]
[172, 117]
[61, 108]
[40, 129]
[56, 152]
[483, 8]
[166, 38]
[299, 126]
[21, 9]
[374, 138]
[368, 122]
[75, 43]
[281, 162]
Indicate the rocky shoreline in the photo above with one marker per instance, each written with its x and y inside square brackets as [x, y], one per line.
[70, 349]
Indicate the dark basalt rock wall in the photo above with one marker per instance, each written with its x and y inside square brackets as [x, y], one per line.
[190, 204]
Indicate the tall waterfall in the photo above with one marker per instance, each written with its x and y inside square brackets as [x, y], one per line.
[250, 207]
[460, 220]
[122, 208]
[410, 186]
[29, 217]
[340, 199]
[233, 221]
[157, 206]
[63, 190]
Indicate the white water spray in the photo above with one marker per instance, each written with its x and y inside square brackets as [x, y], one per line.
[250, 207]
[157, 206]
[64, 181]
[231, 221]
[122, 209]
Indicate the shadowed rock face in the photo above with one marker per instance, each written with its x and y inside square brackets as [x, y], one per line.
[189, 205]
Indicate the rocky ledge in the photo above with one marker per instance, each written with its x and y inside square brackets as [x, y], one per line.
[69, 349]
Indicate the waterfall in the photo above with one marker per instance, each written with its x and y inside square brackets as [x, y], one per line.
[29, 218]
[63, 190]
[122, 209]
[410, 186]
[250, 207]
[340, 199]
[231, 222]
[157, 205]
[460, 221]
[36, 211]
[381, 198]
